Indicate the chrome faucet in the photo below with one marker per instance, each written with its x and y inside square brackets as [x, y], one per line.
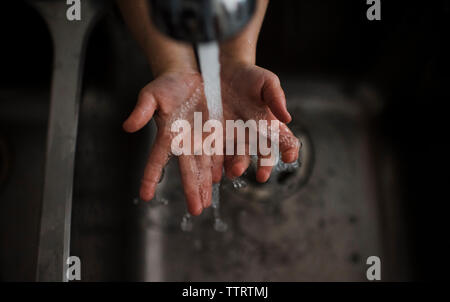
[198, 21]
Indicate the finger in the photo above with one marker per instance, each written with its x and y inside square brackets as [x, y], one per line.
[240, 165]
[205, 179]
[263, 171]
[273, 96]
[289, 145]
[189, 177]
[143, 112]
[236, 165]
[158, 158]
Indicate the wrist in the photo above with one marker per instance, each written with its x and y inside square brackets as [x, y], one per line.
[171, 67]
[230, 53]
[170, 56]
[182, 63]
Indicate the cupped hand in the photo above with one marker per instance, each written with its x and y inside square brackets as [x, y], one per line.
[250, 92]
[170, 97]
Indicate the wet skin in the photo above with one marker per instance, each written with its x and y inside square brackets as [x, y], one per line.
[248, 93]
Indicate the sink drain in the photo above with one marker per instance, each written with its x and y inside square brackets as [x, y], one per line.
[285, 179]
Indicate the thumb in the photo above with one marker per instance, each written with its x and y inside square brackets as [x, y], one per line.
[273, 96]
[143, 112]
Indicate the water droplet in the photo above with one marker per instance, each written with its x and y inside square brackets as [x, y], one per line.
[220, 225]
[215, 196]
[239, 183]
[286, 167]
[162, 201]
[186, 223]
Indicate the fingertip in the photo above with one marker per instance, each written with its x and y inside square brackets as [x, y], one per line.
[196, 211]
[146, 195]
[290, 156]
[127, 126]
[147, 190]
[288, 118]
[279, 109]
[142, 113]
[237, 170]
[262, 175]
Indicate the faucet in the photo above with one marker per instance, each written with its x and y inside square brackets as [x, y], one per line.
[200, 21]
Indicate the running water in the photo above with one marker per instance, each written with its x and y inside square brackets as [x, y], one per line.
[208, 54]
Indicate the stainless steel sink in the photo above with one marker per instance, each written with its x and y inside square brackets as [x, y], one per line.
[318, 223]
[322, 229]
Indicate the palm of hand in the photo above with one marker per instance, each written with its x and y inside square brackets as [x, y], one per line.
[175, 96]
[253, 93]
[249, 93]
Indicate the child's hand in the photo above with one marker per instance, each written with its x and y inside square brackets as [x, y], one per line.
[250, 92]
[172, 96]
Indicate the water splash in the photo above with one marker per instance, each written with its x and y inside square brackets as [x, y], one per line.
[287, 167]
[161, 201]
[157, 201]
[219, 224]
[239, 183]
[186, 223]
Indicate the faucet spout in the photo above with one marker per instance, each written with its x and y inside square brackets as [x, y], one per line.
[199, 21]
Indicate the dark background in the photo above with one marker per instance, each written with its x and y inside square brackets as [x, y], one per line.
[405, 56]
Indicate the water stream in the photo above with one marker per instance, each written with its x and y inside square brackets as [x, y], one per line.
[208, 54]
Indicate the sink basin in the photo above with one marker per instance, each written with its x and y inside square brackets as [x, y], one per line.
[317, 223]
[321, 228]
